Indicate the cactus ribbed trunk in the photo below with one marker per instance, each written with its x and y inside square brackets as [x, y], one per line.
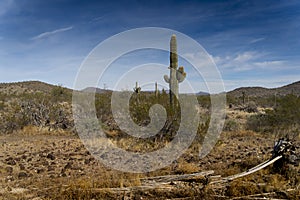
[156, 90]
[176, 75]
[137, 90]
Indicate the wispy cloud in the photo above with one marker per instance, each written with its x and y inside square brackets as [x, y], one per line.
[270, 64]
[248, 60]
[257, 40]
[50, 33]
[245, 56]
[97, 19]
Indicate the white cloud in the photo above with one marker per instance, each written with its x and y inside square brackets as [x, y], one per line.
[97, 19]
[270, 64]
[247, 60]
[50, 33]
[245, 56]
[256, 40]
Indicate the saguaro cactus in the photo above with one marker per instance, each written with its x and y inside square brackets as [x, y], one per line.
[177, 75]
[137, 89]
[156, 90]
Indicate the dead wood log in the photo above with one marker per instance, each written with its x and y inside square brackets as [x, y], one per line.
[171, 178]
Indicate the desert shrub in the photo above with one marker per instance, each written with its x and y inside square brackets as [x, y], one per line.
[59, 93]
[36, 109]
[285, 115]
[259, 123]
[251, 107]
[231, 125]
[239, 188]
[287, 111]
[204, 101]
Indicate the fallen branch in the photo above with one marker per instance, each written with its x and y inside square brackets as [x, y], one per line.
[171, 178]
[250, 171]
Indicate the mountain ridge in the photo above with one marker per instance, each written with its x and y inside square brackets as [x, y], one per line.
[292, 88]
[39, 86]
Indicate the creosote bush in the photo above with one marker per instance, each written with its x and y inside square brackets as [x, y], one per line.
[284, 116]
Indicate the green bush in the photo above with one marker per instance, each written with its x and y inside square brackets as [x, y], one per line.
[284, 116]
[231, 125]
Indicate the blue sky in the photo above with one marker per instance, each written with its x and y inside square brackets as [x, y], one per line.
[253, 43]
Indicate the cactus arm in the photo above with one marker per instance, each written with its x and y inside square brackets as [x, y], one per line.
[167, 79]
[180, 76]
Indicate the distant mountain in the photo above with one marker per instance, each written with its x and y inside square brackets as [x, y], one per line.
[95, 90]
[293, 88]
[202, 93]
[27, 87]
[38, 86]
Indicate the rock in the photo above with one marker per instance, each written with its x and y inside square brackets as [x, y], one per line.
[9, 170]
[87, 161]
[22, 167]
[68, 165]
[76, 168]
[23, 157]
[87, 153]
[50, 168]
[51, 156]
[45, 163]
[9, 178]
[39, 170]
[10, 161]
[22, 175]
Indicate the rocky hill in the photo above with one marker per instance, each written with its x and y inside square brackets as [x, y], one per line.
[95, 90]
[27, 87]
[293, 88]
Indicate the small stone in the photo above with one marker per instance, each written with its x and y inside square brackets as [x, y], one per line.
[9, 178]
[39, 170]
[63, 174]
[22, 175]
[22, 167]
[87, 161]
[50, 168]
[10, 161]
[9, 170]
[23, 157]
[51, 156]
[68, 165]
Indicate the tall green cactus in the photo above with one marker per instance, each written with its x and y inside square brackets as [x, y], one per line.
[177, 75]
[156, 90]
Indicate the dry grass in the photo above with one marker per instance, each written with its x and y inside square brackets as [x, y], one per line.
[235, 152]
[34, 131]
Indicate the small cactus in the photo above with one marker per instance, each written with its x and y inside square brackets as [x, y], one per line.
[137, 89]
[177, 75]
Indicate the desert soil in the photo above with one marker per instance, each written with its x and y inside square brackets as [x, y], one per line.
[34, 166]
